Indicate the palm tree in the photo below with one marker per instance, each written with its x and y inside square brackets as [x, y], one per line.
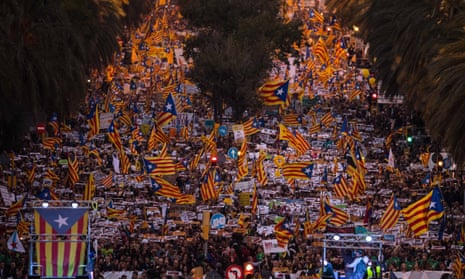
[418, 48]
[444, 102]
[47, 50]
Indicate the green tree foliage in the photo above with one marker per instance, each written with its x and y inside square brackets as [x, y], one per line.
[419, 47]
[233, 48]
[47, 49]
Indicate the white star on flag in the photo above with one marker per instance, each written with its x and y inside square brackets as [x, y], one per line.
[61, 221]
[432, 205]
[168, 107]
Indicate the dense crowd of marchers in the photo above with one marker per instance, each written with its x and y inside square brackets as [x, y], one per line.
[329, 156]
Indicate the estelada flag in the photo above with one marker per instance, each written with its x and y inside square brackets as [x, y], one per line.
[63, 256]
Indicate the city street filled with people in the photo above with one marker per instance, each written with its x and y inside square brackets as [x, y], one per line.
[172, 193]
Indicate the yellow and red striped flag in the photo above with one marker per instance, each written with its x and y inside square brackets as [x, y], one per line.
[51, 143]
[107, 181]
[50, 174]
[113, 213]
[125, 163]
[114, 136]
[458, 265]
[282, 233]
[327, 119]
[274, 92]
[73, 169]
[338, 216]
[251, 126]
[186, 199]
[16, 207]
[207, 189]
[89, 190]
[254, 205]
[168, 113]
[31, 173]
[416, 215]
[96, 154]
[93, 121]
[156, 166]
[391, 215]
[156, 135]
[321, 51]
[242, 164]
[316, 16]
[23, 227]
[298, 170]
[260, 169]
[164, 188]
[60, 258]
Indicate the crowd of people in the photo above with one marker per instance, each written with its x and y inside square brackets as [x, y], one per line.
[133, 91]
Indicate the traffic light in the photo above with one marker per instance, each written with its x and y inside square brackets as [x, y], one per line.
[374, 96]
[214, 159]
[248, 268]
[409, 139]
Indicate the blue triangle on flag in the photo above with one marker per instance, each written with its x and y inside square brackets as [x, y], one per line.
[61, 219]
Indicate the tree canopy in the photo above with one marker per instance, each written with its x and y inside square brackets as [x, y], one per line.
[47, 51]
[417, 48]
[233, 47]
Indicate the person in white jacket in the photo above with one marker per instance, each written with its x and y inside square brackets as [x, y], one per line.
[358, 265]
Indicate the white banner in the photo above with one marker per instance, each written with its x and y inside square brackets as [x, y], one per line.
[105, 119]
[238, 131]
[271, 246]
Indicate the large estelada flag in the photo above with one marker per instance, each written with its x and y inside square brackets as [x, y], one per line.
[60, 250]
[274, 92]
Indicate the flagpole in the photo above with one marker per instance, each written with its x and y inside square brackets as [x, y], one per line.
[90, 270]
[31, 270]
